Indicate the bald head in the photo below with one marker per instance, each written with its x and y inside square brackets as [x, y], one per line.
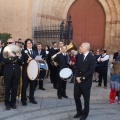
[85, 47]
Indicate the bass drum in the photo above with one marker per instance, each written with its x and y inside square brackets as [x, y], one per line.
[65, 74]
[43, 69]
[32, 70]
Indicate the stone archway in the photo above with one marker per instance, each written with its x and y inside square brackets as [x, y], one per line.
[112, 29]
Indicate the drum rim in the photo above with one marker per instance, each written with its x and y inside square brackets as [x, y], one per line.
[65, 79]
[27, 70]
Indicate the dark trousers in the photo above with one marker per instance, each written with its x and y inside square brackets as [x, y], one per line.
[78, 91]
[25, 82]
[54, 75]
[103, 75]
[40, 83]
[73, 77]
[11, 87]
[61, 91]
[42, 76]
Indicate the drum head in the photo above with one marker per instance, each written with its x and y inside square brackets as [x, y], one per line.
[65, 73]
[32, 70]
[43, 69]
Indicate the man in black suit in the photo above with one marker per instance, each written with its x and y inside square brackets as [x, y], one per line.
[25, 80]
[1, 58]
[53, 69]
[85, 66]
[41, 52]
[62, 61]
[11, 77]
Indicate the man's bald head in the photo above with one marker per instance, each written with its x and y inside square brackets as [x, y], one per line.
[85, 47]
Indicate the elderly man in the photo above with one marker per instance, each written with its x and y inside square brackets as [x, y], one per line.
[85, 66]
[103, 68]
[11, 77]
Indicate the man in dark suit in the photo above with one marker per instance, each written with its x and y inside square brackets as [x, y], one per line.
[25, 80]
[11, 77]
[1, 58]
[62, 61]
[85, 66]
[41, 52]
[53, 69]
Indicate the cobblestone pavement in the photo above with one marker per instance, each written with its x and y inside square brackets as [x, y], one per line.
[49, 107]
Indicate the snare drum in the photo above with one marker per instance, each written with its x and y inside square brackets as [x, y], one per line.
[32, 69]
[43, 67]
[65, 74]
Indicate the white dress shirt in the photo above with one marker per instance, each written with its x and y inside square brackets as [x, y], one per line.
[105, 57]
[85, 55]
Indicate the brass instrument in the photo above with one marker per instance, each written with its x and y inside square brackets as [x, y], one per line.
[70, 47]
[11, 48]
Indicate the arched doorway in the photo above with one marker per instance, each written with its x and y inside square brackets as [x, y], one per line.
[88, 20]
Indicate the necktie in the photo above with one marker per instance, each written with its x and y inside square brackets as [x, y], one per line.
[83, 57]
[31, 53]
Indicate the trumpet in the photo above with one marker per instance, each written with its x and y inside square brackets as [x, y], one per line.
[70, 47]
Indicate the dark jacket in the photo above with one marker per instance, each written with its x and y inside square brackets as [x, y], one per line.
[12, 66]
[61, 60]
[42, 53]
[85, 69]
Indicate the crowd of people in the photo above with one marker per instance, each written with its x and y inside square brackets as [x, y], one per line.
[86, 68]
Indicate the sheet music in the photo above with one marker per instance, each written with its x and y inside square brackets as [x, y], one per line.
[38, 57]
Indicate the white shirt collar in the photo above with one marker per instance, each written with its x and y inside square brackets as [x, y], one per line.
[86, 54]
[29, 49]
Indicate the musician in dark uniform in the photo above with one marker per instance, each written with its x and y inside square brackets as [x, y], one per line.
[53, 69]
[1, 58]
[62, 61]
[41, 52]
[85, 66]
[11, 77]
[25, 80]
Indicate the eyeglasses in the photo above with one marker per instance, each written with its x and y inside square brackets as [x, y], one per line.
[97, 51]
[10, 42]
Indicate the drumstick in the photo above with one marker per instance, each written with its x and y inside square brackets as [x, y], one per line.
[27, 53]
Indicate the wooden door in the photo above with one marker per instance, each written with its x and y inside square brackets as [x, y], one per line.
[88, 20]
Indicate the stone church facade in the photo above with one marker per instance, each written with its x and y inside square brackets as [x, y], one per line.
[19, 17]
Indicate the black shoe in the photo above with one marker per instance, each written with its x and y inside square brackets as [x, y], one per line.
[98, 86]
[77, 115]
[33, 101]
[24, 103]
[14, 106]
[94, 80]
[65, 96]
[83, 117]
[59, 97]
[8, 107]
[97, 81]
[55, 87]
[42, 88]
